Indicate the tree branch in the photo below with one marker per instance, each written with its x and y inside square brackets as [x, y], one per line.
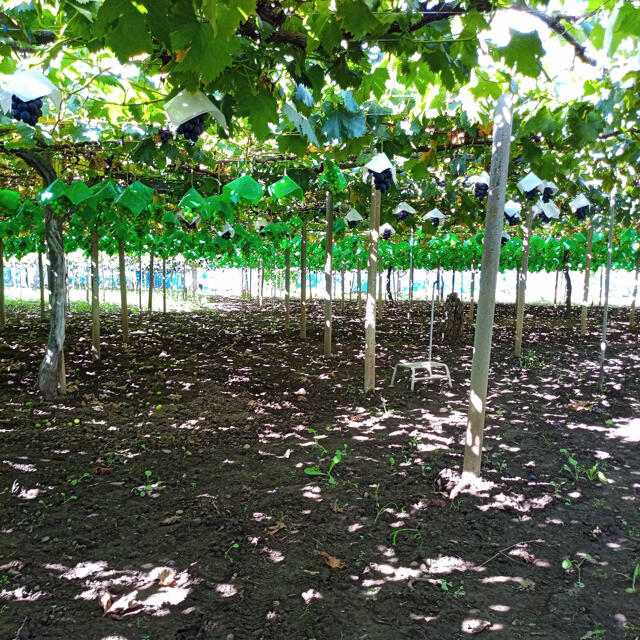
[269, 13]
[554, 22]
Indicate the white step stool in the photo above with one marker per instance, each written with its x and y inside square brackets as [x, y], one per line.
[432, 371]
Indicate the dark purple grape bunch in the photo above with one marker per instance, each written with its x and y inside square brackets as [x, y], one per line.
[545, 219]
[382, 181]
[504, 239]
[531, 195]
[435, 221]
[547, 194]
[165, 135]
[386, 234]
[192, 129]
[352, 224]
[28, 111]
[582, 212]
[481, 190]
[402, 215]
[511, 220]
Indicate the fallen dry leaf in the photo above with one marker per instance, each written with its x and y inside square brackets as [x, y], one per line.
[332, 561]
[123, 604]
[170, 520]
[579, 405]
[474, 625]
[278, 526]
[336, 509]
[167, 577]
[101, 471]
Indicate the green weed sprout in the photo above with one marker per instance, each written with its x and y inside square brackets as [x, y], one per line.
[337, 457]
[227, 553]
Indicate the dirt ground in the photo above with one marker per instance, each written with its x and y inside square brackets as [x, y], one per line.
[170, 489]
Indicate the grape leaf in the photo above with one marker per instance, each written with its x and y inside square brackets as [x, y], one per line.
[226, 17]
[523, 52]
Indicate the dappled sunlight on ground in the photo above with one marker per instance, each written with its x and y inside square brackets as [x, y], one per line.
[211, 458]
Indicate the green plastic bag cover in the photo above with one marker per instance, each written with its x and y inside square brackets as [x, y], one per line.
[78, 192]
[9, 200]
[108, 190]
[285, 188]
[277, 229]
[55, 190]
[217, 204]
[136, 197]
[339, 225]
[169, 219]
[243, 190]
[332, 177]
[192, 199]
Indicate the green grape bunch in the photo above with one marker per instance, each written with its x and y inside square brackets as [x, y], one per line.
[332, 178]
[60, 207]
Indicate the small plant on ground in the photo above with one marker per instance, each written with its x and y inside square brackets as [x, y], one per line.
[337, 457]
[569, 565]
[148, 485]
[577, 470]
[227, 553]
[634, 578]
[316, 442]
[416, 535]
[77, 481]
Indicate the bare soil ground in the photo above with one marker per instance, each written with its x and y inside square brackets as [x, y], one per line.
[169, 487]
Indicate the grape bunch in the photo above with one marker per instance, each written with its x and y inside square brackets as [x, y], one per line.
[352, 224]
[435, 221]
[165, 135]
[332, 177]
[60, 206]
[531, 195]
[382, 181]
[192, 129]
[386, 234]
[481, 190]
[226, 235]
[581, 212]
[545, 219]
[511, 220]
[402, 215]
[547, 194]
[28, 111]
[504, 239]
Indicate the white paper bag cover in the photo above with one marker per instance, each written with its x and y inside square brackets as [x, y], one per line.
[186, 106]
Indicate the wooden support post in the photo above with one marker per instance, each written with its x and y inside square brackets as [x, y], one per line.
[2, 303]
[151, 283]
[41, 280]
[124, 311]
[587, 276]
[287, 287]
[95, 296]
[487, 299]
[164, 285]
[303, 280]
[632, 311]
[522, 283]
[605, 313]
[328, 276]
[370, 310]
